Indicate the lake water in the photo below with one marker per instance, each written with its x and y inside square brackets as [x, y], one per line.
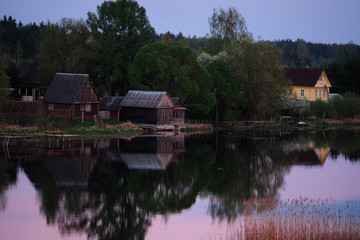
[166, 187]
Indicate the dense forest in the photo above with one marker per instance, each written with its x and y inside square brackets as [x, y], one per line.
[122, 53]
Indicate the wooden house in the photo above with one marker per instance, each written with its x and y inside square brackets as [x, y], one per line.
[148, 107]
[29, 86]
[308, 84]
[179, 111]
[71, 96]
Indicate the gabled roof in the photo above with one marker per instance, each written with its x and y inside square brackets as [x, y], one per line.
[147, 99]
[179, 105]
[307, 77]
[65, 88]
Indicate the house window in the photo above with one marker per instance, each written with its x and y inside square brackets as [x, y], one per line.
[320, 78]
[50, 106]
[302, 93]
[320, 93]
[324, 92]
[85, 107]
[316, 93]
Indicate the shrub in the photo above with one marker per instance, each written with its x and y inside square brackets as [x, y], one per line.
[348, 106]
[322, 109]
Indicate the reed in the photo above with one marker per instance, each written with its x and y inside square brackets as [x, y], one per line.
[301, 218]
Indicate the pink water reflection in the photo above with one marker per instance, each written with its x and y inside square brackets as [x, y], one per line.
[22, 219]
[338, 179]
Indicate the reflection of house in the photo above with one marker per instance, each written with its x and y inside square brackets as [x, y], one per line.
[313, 156]
[72, 166]
[148, 152]
[71, 96]
[308, 83]
[149, 107]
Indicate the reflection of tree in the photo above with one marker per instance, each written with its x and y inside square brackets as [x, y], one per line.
[8, 178]
[344, 141]
[176, 188]
[246, 169]
[105, 211]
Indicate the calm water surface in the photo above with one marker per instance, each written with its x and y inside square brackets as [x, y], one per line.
[166, 187]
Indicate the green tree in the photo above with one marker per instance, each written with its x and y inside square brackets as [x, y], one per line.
[174, 68]
[260, 75]
[67, 47]
[4, 81]
[226, 87]
[228, 26]
[121, 27]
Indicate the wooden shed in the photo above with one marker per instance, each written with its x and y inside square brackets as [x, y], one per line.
[148, 107]
[71, 96]
[179, 111]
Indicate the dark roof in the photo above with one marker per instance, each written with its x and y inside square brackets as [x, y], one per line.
[30, 77]
[307, 77]
[65, 88]
[179, 105]
[111, 103]
[147, 99]
[11, 94]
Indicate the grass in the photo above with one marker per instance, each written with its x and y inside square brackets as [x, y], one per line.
[301, 218]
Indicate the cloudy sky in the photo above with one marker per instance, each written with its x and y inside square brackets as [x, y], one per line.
[324, 21]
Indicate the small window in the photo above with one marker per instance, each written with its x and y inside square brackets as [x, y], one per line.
[324, 92]
[320, 78]
[302, 93]
[320, 93]
[50, 106]
[316, 93]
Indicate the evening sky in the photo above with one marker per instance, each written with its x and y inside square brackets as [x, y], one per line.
[319, 21]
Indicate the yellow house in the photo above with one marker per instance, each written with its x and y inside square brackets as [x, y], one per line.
[308, 83]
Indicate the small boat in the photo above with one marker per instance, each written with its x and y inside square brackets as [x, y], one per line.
[302, 124]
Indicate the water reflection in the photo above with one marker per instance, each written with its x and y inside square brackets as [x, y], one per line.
[112, 189]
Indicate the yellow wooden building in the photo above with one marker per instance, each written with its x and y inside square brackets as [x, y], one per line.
[308, 83]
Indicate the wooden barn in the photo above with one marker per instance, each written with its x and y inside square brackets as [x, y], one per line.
[179, 111]
[148, 107]
[71, 96]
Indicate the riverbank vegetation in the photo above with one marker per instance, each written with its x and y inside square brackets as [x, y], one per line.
[209, 74]
[301, 218]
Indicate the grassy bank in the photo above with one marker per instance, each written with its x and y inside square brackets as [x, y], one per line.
[312, 124]
[88, 128]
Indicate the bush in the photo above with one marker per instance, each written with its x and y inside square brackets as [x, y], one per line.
[348, 106]
[322, 109]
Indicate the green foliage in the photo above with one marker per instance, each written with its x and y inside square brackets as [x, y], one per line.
[322, 109]
[174, 68]
[67, 47]
[121, 27]
[260, 75]
[228, 26]
[226, 87]
[347, 106]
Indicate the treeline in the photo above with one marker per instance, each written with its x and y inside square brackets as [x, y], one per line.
[225, 75]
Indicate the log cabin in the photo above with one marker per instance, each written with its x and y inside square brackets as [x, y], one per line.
[71, 96]
[147, 107]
